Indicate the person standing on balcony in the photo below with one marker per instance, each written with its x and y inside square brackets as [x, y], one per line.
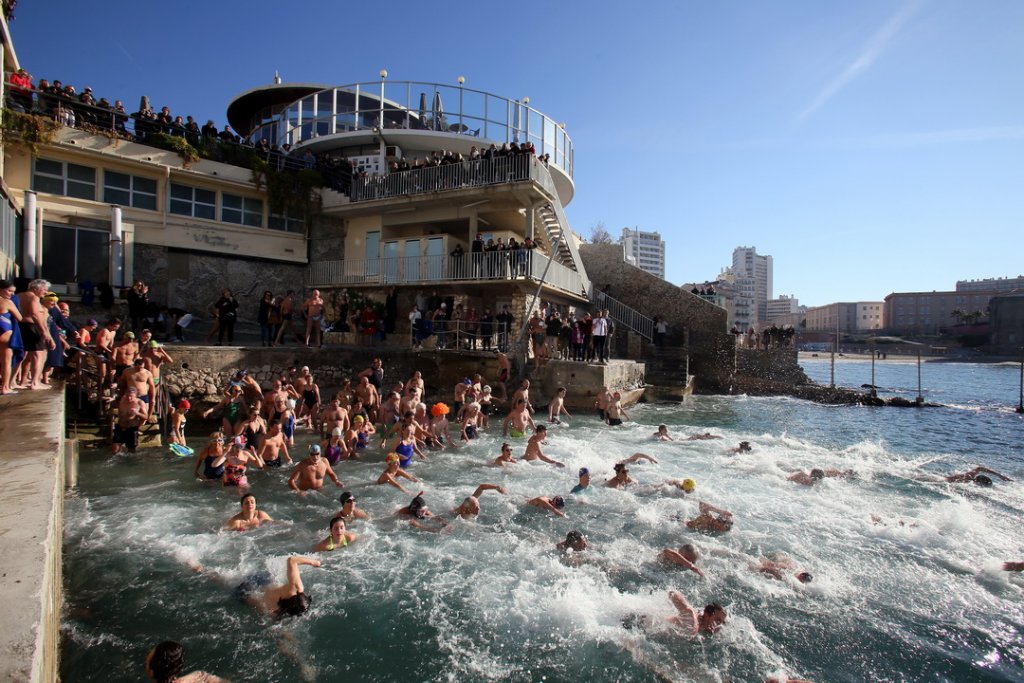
[600, 331]
[138, 302]
[287, 311]
[458, 256]
[440, 320]
[486, 329]
[477, 254]
[610, 339]
[505, 321]
[227, 314]
[587, 325]
[472, 327]
[313, 308]
[415, 320]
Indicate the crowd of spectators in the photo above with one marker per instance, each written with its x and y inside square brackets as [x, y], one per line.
[773, 337]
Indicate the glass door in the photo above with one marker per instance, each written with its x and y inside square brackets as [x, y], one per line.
[411, 261]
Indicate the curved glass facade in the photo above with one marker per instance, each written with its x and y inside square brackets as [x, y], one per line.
[410, 105]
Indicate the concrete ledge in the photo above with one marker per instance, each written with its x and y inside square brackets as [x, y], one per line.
[31, 533]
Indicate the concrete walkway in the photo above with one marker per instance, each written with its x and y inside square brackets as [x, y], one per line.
[31, 533]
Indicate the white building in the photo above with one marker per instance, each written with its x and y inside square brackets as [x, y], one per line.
[992, 284]
[645, 250]
[753, 273]
[782, 307]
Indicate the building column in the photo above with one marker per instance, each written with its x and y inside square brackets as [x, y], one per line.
[116, 269]
[29, 259]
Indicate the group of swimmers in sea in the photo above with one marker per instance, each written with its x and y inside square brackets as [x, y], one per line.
[406, 431]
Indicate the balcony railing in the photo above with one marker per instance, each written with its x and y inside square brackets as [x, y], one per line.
[457, 176]
[624, 315]
[492, 266]
[418, 106]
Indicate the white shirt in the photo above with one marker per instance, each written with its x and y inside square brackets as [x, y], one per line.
[600, 327]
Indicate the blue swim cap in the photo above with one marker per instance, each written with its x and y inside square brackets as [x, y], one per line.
[584, 470]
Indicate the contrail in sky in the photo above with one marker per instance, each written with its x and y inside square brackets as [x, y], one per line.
[874, 48]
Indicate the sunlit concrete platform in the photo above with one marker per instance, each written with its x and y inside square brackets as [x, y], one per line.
[31, 531]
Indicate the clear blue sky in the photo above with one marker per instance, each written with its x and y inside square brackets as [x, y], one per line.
[869, 147]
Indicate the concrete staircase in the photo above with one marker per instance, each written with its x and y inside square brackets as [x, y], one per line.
[667, 377]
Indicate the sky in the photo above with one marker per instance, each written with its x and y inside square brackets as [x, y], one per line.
[869, 147]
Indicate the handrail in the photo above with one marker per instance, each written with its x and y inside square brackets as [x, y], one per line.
[621, 313]
[447, 177]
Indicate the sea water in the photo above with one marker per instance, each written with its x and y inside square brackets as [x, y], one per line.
[907, 572]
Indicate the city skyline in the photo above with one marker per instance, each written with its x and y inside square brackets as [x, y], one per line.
[859, 145]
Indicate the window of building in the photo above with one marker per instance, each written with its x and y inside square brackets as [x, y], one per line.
[241, 210]
[287, 223]
[129, 190]
[63, 178]
[73, 254]
[193, 201]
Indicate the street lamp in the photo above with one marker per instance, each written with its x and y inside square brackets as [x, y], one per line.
[462, 82]
[380, 117]
[526, 122]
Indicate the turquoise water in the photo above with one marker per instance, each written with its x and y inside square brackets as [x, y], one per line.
[924, 600]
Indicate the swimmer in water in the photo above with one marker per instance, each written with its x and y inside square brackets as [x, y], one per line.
[517, 421]
[709, 621]
[506, 456]
[309, 473]
[467, 509]
[349, 512]
[165, 662]
[249, 517]
[533, 451]
[280, 600]
[584, 482]
[574, 542]
[707, 436]
[662, 434]
[778, 566]
[685, 485]
[390, 475]
[338, 538]
[743, 447]
[711, 519]
[1013, 566]
[557, 407]
[814, 476]
[553, 504]
[622, 477]
[686, 557]
[976, 476]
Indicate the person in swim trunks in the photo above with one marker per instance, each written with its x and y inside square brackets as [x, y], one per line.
[274, 446]
[258, 590]
[338, 538]
[313, 307]
[533, 450]
[615, 412]
[517, 421]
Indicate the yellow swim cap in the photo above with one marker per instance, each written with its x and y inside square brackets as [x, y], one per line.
[688, 485]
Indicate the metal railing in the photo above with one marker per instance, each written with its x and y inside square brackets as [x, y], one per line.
[624, 315]
[458, 334]
[457, 176]
[521, 264]
[417, 106]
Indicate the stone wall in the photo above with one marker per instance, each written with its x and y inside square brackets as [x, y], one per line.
[774, 365]
[692, 321]
[194, 281]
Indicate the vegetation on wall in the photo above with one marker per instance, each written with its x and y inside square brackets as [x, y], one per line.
[176, 144]
[289, 193]
[28, 130]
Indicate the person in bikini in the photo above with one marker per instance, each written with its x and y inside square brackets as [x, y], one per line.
[339, 537]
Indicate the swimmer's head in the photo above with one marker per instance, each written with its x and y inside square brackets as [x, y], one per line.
[138, 362]
[620, 468]
[418, 506]
[314, 449]
[165, 661]
[688, 485]
[337, 525]
[239, 442]
[470, 506]
[744, 447]
[291, 404]
[804, 577]
[584, 472]
[358, 419]
[467, 381]
[217, 437]
[487, 388]
[817, 474]
[558, 502]
[294, 606]
[983, 481]
[336, 431]
[541, 428]
[663, 429]
[689, 552]
[247, 497]
[575, 540]
[184, 405]
[392, 458]
[713, 618]
[347, 498]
